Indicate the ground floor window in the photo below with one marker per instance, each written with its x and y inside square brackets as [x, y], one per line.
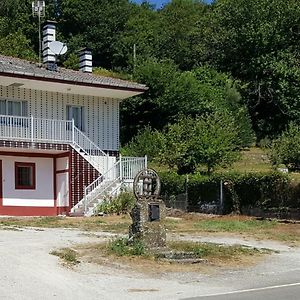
[25, 175]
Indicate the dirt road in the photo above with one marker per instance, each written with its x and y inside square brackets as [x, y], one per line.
[28, 271]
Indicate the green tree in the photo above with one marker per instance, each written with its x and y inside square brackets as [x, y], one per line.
[210, 140]
[258, 43]
[16, 44]
[286, 149]
[95, 24]
[147, 142]
[178, 20]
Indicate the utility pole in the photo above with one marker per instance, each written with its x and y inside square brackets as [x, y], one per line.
[134, 56]
[38, 9]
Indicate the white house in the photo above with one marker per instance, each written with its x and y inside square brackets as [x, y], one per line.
[59, 139]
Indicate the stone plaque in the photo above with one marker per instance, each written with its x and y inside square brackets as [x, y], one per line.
[149, 211]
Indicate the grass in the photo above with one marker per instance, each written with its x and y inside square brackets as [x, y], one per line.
[194, 224]
[136, 257]
[67, 255]
[117, 224]
[212, 251]
[121, 247]
[236, 226]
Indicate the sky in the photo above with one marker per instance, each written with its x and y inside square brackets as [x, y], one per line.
[159, 3]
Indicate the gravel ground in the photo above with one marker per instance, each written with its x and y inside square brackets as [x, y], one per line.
[28, 271]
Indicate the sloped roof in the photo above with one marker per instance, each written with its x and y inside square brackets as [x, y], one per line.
[15, 67]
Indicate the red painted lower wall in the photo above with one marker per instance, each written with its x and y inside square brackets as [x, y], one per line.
[32, 211]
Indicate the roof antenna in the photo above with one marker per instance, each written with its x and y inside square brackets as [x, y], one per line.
[38, 9]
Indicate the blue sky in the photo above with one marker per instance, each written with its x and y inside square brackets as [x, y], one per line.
[158, 3]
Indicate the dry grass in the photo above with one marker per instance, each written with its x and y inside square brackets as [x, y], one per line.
[199, 224]
[112, 223]
[192, 223]
[216, 256]
[67, 255]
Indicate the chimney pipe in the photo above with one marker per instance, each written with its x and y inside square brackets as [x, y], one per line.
[49, 35]
[85, 60]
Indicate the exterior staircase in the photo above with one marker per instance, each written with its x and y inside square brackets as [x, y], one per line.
[109, 184]
[114, 172]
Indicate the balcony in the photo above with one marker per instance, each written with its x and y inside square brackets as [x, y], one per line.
[32, 129]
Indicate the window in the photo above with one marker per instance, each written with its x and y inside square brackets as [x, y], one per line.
[76, 113]
[13, 108]
[25, 176]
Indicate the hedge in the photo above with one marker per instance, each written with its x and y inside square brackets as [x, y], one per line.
[241, 190]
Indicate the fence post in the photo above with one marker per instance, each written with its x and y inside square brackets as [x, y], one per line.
[146, 162]
[32, 127]
[221, 197]
[73, 131]
[121, 167]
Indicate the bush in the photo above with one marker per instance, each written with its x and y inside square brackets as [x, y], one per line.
[256, 190]
[147, 142]
[122, 247]
[286, 149]
[123, 203]
[211, 140]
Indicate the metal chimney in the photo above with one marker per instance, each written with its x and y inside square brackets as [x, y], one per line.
[85, 60]
[49, 35]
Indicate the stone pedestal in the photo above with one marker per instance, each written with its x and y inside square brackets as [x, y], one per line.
[147, 226]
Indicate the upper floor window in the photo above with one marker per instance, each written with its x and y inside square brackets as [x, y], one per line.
[76, 113]
[13, 108]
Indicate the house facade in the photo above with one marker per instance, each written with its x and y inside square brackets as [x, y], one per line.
[59, 139]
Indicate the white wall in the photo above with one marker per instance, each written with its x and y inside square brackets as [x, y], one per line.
[42, 196]
[62, 182]
[101, 114]
[62, 185]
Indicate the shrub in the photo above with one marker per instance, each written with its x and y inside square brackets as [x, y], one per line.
[286, 149]
[147, 142]
[262, 190]
[211, 140]
[122, 247]
[121, 204]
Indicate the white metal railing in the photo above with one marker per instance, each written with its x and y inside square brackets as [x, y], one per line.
[80, 139]
[49, 131]
[124, 169]
[35, 129]
[130, 166]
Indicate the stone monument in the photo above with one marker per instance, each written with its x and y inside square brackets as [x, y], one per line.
[149, 211]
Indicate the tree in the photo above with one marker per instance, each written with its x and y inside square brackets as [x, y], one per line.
[179, 19]
[139, 112]
[286, 149]
[95, 24]
[147, 142]
[258, 43]
[210, 140]
[16, 44]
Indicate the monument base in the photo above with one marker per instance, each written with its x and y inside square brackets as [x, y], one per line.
[147, 226]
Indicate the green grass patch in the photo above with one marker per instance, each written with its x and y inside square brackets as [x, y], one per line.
[234, 225]
[69, 256]
[212, 250]
[121, 247]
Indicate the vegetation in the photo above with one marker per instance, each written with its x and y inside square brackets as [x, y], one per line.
[241, 191]
[121, 247]
[67, 255]
[123, 203]
[286, 149]
[195, 57]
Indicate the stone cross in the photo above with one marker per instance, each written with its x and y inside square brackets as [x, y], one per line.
[149, 211]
